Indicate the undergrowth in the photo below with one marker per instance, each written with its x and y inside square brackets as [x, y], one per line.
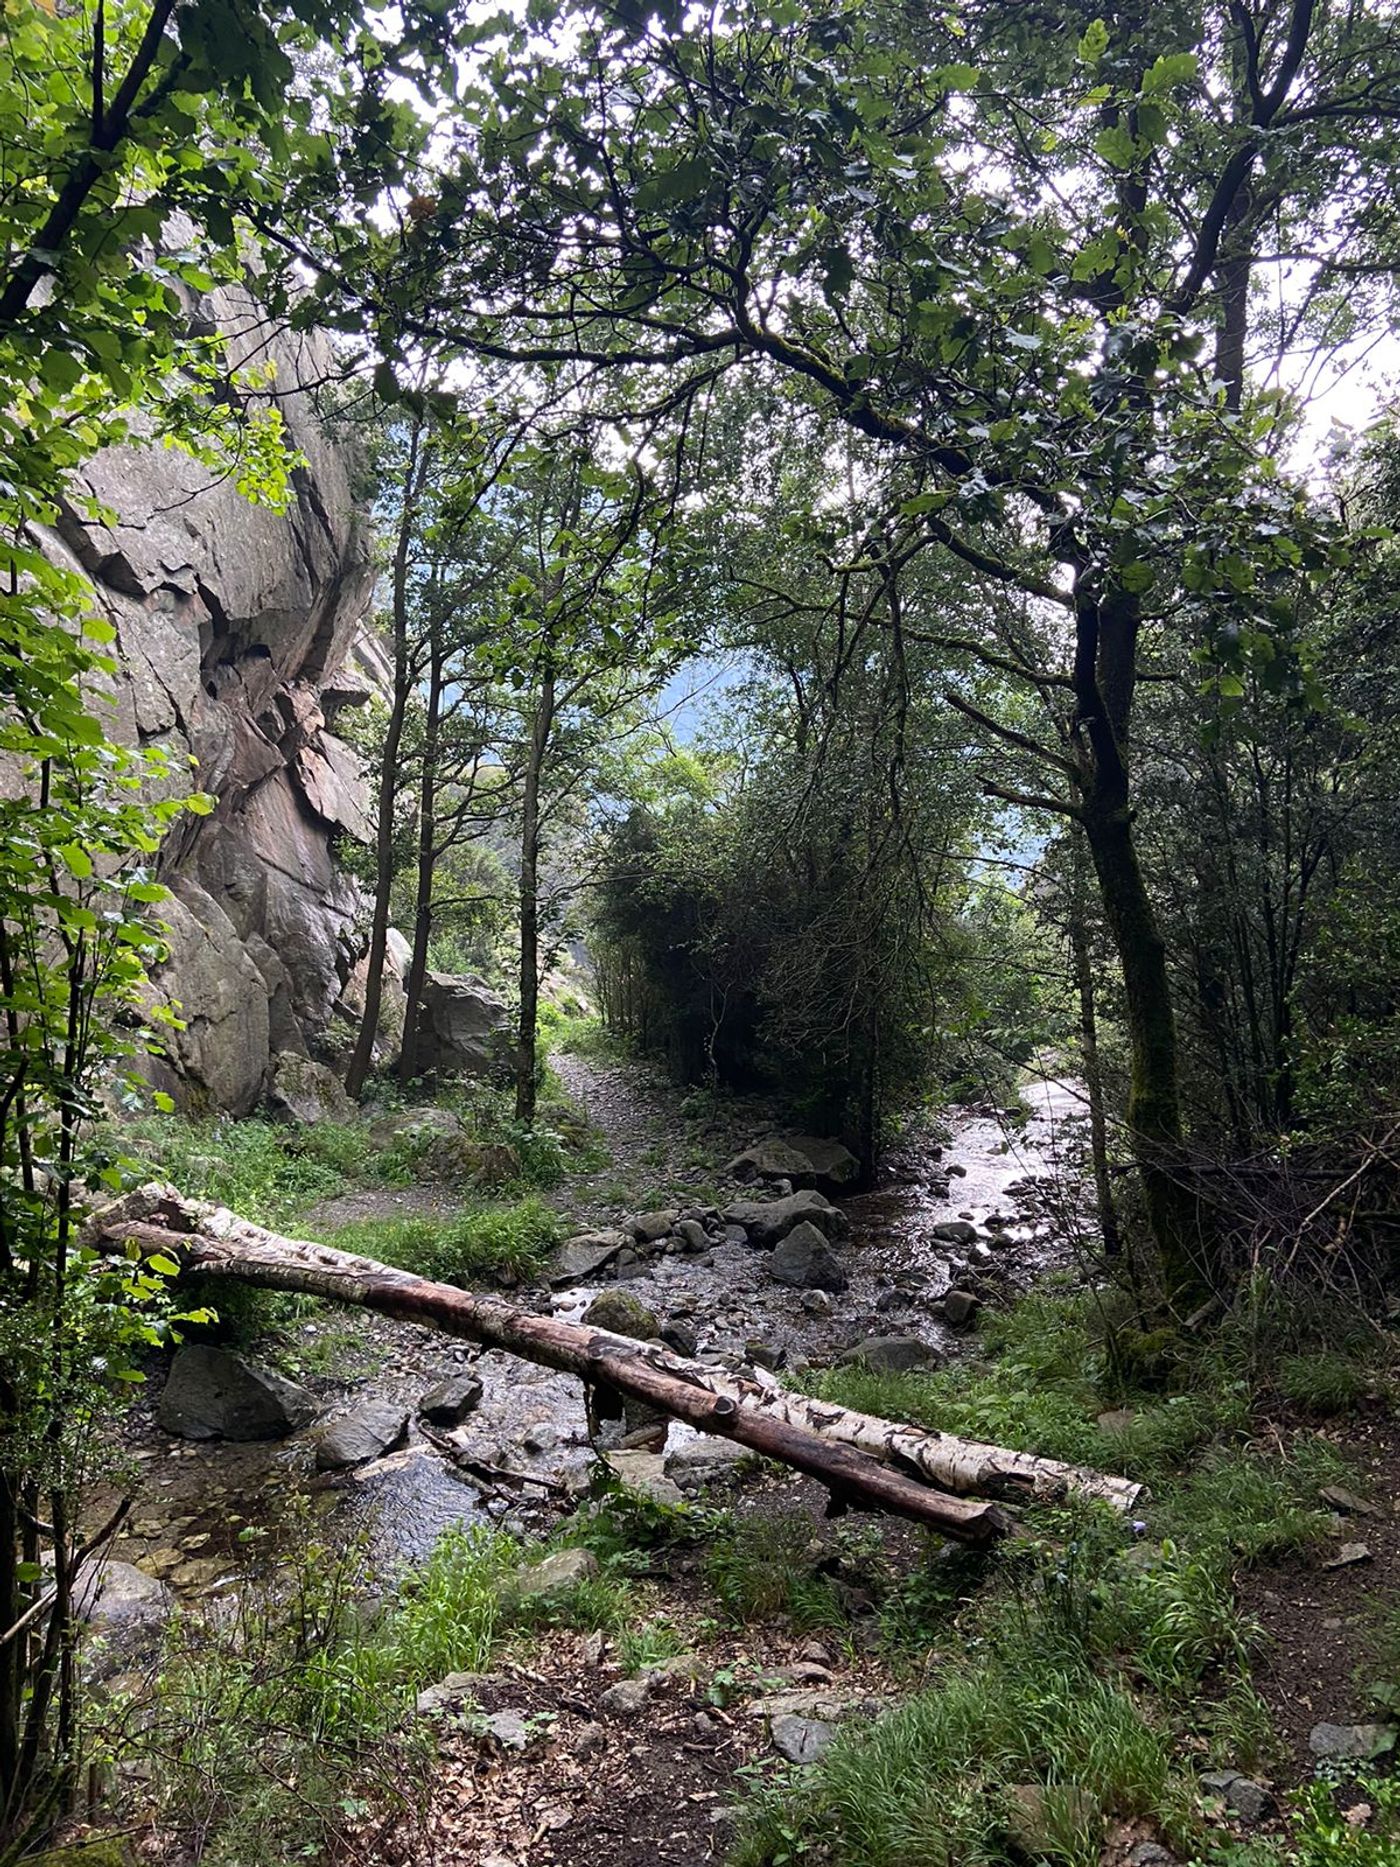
[273, 1732]
[1081, 1664]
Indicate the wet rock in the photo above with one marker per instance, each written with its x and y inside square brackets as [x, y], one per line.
[960, 1309]
[626, 1699]
[1352, 1742]
[306, 1092]
[213, 1394]
[955, 1171]
[893, 1354]
[450, 1401]
[955, 1232]
[619, 1312]
[649, 1227]
[817, 1302]
[801, 1740]
[375, 1427]
[644, 1472]
[693, 1235]
[1039, 1818]
[121, 1602]
[764, 1355]
[804, 1160]
[733, 1235]
[566, 1568]
[542, 1437]
[680, 1337]
[767, 1221]
[1001, 1241]
[805, 1261]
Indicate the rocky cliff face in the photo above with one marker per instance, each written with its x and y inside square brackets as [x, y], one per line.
[240, 639]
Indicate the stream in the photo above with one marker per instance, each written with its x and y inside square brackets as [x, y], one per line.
[209, 1516]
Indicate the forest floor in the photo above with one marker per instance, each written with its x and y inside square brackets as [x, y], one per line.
[668, 1708]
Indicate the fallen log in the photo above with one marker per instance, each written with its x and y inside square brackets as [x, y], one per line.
[879, 1463]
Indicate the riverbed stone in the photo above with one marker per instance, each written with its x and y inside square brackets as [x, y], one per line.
[212, 1393]
[801, 1740]
[375, 1427]
[893, 1354]
[960, 1309]
[766, 1222]
[448, 1402]
[805, 1261]
[802, 1159]
[955, 1232]
[648, 1227]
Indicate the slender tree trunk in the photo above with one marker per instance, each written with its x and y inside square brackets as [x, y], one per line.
[358, 1072]
[541, 730]
[1089, 1048]
[423, 889]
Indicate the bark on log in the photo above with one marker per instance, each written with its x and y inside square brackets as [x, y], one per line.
[885, 1465]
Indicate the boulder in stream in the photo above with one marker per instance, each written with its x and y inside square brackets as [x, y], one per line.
[212, 1393]
[450, 1401]
[767, 1221]
[374, 1428]
[805, 1261]
[802, 1159]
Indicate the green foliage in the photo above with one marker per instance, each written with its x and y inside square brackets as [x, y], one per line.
[766, 1567]
[1319, 1835]
[1324, 1381]
[263, 1170]
[492, 1242]
[928, 1784]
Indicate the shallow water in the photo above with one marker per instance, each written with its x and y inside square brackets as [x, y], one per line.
[210, 1515]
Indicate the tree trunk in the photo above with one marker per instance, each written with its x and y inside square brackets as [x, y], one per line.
[1107, 623]
[878, 1462]
[358, 1072]
[541, 730]
[423, 886]
[1089, 1047]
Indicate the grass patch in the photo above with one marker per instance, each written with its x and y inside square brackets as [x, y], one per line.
[490, 1243]
[265, 1171]
[931, 1783]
